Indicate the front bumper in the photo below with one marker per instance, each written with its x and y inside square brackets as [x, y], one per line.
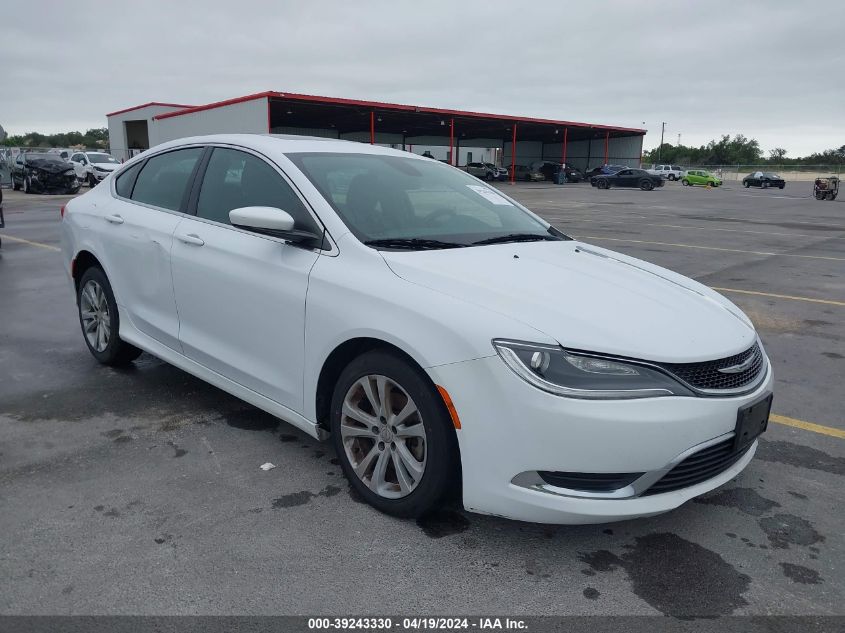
[99, 176]
[509, 428]
[53, 183]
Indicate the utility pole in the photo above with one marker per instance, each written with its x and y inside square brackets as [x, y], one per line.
[679, 139]
[660, 147]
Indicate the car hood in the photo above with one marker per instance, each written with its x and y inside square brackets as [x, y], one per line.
[106, 166]
[586, 298]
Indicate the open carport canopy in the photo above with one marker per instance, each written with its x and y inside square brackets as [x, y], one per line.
[408, 122]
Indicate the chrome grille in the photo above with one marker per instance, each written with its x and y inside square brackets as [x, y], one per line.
[706, 375]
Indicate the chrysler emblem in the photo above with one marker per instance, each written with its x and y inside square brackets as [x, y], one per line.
[737, 369]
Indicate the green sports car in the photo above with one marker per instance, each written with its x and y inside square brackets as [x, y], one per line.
[700, 177]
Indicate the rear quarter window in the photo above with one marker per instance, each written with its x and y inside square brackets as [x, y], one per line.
[163, 181]
[126, 180]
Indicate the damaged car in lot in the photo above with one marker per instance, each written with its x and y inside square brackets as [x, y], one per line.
[443, 337]
[43, 172]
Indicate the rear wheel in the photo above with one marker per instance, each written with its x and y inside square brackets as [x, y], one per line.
[393, 434]
[100, 321]
[671, 177]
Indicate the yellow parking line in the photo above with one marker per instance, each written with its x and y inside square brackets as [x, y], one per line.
[31, 243]
[829, 302]
[807, 426]
[709, 248]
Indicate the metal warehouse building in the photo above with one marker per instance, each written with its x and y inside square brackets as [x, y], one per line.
[413, 128]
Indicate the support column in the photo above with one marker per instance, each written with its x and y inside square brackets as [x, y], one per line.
[606, 145]
[565, 139]
[513, 155]
[372, 127]
[451, 142]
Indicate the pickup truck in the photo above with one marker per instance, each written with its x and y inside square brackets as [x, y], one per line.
[669, 172]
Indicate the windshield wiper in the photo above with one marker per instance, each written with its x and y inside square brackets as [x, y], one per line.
[413, 243]
[517, 237]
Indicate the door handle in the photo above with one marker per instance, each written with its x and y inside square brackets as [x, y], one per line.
[191, 238]
[114, 219]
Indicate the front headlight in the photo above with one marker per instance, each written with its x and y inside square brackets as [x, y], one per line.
[580, 375]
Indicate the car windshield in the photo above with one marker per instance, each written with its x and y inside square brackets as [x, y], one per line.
[39, 156]
[769, 174]
[101, 158]
[383, 198]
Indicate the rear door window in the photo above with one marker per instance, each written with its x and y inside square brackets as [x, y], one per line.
[163, 182]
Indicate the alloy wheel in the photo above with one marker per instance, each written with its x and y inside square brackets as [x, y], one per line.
[96, 320]
[383, 436]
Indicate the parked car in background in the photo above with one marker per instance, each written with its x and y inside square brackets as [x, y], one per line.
[523, 172]
[442, 336]
[573, 174]
[700, 177]
[763, 179]
[65, 153]
[42, 172]
[629, 178]
[93, 167]
[669, 172]
[486, 171]
[604, 170]
[550, 169]
[499, 173]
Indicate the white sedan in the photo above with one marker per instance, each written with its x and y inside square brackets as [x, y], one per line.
[442, 335]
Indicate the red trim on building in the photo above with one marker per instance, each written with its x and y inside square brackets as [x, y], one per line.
[147, 105]
[216, 104]
[379, 105]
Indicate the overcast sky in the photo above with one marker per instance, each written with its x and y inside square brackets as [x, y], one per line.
[768, 69]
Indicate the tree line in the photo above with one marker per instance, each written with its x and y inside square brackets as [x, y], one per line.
[737, 150]
[94, 138]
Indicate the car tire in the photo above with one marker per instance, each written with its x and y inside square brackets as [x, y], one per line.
[97, 308]
[685, 182]
[671, 177]
[764, 185]
[746, 184]
[602, 183]
[780, 186]
[430, 441]
[646, 185]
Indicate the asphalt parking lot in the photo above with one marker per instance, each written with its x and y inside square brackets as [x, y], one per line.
[139, 491]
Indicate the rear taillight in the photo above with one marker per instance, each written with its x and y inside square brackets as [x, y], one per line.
[62, 212]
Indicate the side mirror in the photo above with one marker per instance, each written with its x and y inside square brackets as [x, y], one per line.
[270, 221]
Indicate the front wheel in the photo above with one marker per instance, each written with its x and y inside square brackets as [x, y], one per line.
[780, 186]
[764, 185]
[671, 177]
[746, 184]
[393, 435]
[602, 184]
[646, 185]
[685, 182]
[100, 320]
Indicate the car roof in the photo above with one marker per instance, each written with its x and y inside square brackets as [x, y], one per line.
[287, 143]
